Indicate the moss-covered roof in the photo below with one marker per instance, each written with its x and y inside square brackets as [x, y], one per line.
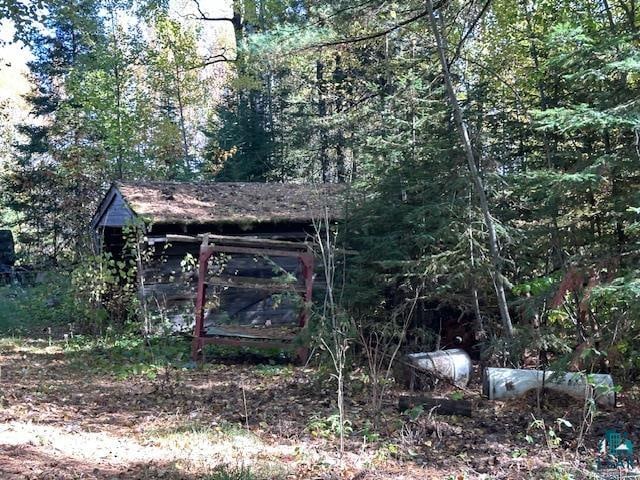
[231, 202]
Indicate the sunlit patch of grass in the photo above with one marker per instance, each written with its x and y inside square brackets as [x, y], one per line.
[128, 355]
[242, 472]
[225, 439]
[18, 344]
[268, 370]
[199, 455]
[81, 445]
[11, 344]
[222, 449]
[223, 430]
[226, 472]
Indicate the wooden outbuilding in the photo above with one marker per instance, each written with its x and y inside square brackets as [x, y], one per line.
[233, 261]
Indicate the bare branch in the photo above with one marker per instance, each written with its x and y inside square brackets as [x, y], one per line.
[377, 34]
[472, 27]
[210, 61]
[204, 16]
[370, 36]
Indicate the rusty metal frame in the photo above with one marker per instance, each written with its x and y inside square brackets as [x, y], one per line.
[257, 247]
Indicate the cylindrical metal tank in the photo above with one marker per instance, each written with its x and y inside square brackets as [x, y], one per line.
[453, 365]
[505, 383]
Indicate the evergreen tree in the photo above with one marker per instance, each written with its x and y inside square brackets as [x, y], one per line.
[62, 161]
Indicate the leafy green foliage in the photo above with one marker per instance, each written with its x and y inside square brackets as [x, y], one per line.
[34, 309]
[108, 103]
[127, 355]
[328, 427]
[107, 287]
[344, 92]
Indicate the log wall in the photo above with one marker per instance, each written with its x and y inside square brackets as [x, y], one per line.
[240, 290]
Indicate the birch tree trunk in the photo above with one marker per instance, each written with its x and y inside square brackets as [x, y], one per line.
[496, 262]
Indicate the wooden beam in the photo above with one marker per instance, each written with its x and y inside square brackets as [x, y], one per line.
[245, 342]
[441, 406]
[255, 283]
[203, 262]
[232, 241]
[259, 248]
[261, 252]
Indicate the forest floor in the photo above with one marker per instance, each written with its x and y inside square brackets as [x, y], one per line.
[76, 412]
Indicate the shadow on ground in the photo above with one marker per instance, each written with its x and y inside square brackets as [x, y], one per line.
[20, 462]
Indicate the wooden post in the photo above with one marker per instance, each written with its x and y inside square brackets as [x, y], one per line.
[306, 261]
[203, 262]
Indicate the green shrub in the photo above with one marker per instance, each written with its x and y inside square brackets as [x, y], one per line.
[328, 427]
[106, 291]
[31, 309]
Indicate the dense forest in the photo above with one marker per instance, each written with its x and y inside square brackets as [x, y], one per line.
[490, 150]
[530, 183]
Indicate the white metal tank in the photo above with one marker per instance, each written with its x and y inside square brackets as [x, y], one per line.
[505, 383]
[453, 365]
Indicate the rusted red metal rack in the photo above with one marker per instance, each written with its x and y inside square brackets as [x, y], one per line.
[217, 244]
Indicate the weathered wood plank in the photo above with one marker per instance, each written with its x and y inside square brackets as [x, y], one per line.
[249, 241]
[250, 290]
[252, 307]
[441, 406]
[255, 251]
[255, 283]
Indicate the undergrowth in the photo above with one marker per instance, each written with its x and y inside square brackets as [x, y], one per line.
[226, 472]
[29, 309]
[128, 354]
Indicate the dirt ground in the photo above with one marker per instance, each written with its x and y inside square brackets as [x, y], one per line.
[61, 418]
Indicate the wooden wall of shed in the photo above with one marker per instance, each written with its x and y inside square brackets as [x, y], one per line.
[170, 282]
[168, 278]
[111, 241]
[116, 213]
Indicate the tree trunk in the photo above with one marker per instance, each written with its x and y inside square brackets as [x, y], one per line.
[322, 112]
[338, 77]
[557, 254]
[496, 274]
[478, 326]
[183, 128]
[116, 75]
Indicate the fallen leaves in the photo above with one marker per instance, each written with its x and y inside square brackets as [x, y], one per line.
[62, 422]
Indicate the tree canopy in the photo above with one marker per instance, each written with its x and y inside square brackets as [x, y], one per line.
[491, 148]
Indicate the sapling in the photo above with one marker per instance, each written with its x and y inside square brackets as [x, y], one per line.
[333, 315]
